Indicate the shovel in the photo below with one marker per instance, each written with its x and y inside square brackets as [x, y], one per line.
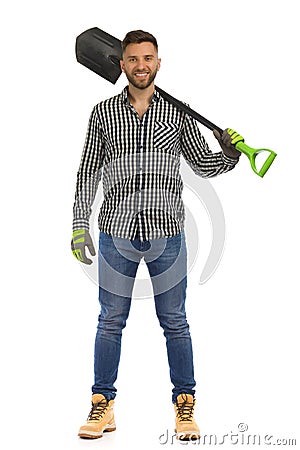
[101, 53]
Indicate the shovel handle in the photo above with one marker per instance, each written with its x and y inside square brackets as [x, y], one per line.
[252, 154]
[241, 146]
[191, 112]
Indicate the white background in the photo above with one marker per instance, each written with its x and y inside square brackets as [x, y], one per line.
[236, 62]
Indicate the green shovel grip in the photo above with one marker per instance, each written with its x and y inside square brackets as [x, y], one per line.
[252, 153]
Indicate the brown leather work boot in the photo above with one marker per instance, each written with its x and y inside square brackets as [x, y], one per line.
[186, 428]
[101, 418]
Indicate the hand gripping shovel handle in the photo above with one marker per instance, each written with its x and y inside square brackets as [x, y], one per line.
[251, 153]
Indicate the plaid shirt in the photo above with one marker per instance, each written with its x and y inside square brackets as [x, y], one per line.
[139, 162]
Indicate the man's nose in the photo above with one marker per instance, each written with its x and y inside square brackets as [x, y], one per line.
[140, 64]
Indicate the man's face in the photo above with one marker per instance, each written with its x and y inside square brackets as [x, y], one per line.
[140, 64]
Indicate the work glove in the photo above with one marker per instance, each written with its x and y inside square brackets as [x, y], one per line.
[80, 240]
[227, 142]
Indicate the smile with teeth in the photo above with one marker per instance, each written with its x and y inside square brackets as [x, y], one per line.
[141, 75]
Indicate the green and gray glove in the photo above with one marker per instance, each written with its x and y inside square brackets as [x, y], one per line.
[80, 240]
[227, 142]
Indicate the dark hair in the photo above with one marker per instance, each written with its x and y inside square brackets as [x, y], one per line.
[138, 36]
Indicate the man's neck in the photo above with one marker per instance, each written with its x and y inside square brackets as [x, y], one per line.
[140, 96]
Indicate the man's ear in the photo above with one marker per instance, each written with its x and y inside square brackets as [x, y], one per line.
[122, 65]
[158, 63]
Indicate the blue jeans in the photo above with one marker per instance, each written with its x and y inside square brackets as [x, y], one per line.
[166, 260]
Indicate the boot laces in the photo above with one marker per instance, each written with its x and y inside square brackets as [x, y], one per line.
[185, 411]
[98, 410]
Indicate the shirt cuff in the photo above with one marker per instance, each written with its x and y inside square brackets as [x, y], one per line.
[230, 161]
[81, 224]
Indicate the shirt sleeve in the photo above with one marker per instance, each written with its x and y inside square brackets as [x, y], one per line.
[89, 173]
[198, 155]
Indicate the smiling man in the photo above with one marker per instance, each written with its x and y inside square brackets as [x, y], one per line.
[136, 139]
[140, 63]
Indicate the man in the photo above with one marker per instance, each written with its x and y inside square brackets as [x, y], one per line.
[136, 139]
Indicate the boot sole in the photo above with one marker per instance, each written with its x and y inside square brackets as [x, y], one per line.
[97, 434]
[187, 435]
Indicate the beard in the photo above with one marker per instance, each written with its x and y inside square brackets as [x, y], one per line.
[141, 84]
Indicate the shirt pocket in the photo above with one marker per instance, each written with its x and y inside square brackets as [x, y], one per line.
[166, 135]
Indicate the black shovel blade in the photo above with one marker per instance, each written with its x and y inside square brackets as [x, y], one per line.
[100, 52]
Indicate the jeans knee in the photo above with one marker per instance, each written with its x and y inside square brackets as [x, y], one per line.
[111, 324]
[175, 325]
